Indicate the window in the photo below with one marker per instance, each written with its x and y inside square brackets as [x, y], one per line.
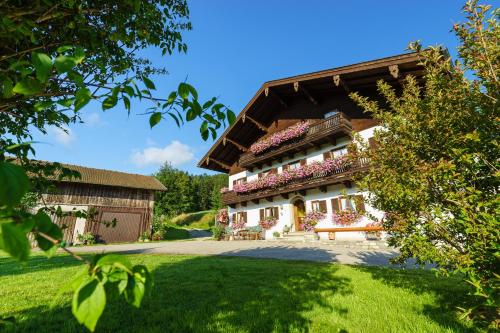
[293, 166]
[352, 202]
[240, 217]
[240, 181]
[319, 206]
[268, 172]
[335, 153]
[269, 212]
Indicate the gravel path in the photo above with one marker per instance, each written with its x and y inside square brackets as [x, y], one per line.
[316, 251]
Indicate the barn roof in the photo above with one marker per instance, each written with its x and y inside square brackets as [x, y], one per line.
[114, 178]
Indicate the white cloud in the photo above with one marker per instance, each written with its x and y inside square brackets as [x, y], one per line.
[64, 136]
[93, 119]
[176, 153]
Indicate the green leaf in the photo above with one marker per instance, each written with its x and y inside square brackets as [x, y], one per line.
[82, 97]
[44, 224]
[7, 88]
[154, 119]
[43, 66]
[88, 304]
[64, 48]
[183, 90]
[231, 117]
[27, 86]
[175, 118]
[148, 83]
[115, 260]
[126, 102]
[137, 285]
[190, 115]
[64, 63]
[109, 102]
[14, 241]
[15, 184]
[193, 91]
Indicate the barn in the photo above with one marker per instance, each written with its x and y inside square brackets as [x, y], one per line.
[109, 195]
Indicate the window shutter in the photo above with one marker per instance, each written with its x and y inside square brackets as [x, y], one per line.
[335, 205]
[273, 171]
[234, 182]
[322, 206]
[244, 179]
[327, 155]
[372, 143]
[360, 204]
[275, 212]
[286, 167]
[233, 217]
[244, 217]
[262, 216]
[303, 162]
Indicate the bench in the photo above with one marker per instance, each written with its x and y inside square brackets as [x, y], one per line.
[347, 229]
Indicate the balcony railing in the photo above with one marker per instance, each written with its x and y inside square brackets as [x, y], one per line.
[320, 132]
[319, 179]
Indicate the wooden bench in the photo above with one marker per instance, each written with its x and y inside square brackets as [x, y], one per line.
[248, 235]
[347, 229]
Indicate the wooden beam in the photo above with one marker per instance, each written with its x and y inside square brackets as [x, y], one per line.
[238, 145]
[347, 183]
[243, 203]
[258, 124]
[270, 199]
[269, 92]
[394, 70]
[297, 87]
[256, 201]
[323, 188]
[339, 82]
[285, 195]
[232, 205]
[222, 164]
[302, 192]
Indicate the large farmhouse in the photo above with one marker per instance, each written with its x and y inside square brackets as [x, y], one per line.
[285, 153]
[109, 195]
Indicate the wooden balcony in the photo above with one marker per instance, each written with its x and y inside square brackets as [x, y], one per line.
[322, 131]
[319, 180]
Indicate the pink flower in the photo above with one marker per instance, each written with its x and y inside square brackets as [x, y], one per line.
[346, 217]
[268, 223]
[311, 219]
[280, 137]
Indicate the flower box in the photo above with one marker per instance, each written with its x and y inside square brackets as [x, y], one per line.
[280, 137]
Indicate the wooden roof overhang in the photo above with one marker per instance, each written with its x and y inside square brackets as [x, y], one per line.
[256, 117]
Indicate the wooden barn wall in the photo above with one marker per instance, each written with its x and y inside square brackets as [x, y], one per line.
[98, 225]
[97, 195]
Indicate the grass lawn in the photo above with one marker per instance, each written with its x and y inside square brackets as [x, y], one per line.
[228, 294]
[198, 220]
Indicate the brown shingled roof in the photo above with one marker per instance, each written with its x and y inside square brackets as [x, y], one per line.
[114, 178]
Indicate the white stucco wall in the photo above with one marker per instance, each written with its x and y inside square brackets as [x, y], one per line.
[285, 205]
[80, 222]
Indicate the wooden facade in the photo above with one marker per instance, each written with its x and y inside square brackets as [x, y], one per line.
[128, 200]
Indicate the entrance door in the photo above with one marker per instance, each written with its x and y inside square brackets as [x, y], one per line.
[299, 209]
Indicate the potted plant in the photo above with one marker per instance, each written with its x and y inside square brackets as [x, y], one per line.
[268, 223]
[346, 217]
[286, 229]
[309, 222]
[276, 235]
[331, 236]
[373, 235]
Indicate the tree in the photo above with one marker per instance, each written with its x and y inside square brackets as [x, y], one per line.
[56, 57]
[435, 170]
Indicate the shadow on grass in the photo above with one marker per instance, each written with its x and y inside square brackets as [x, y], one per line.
[214, 294]
[449, 292]
[37, 263]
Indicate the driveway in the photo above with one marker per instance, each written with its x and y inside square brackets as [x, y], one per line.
[316, 251]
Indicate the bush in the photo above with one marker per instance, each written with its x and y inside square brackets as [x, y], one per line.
[157, 236]
[144, 237]
[276, 234]
[86, 238]
[218, 231]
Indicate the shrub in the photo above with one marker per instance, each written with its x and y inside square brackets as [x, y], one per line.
[86, 238]
[157, 236]
[218, 231]
[276, 234]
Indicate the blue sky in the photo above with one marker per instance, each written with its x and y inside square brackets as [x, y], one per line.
[234, 47]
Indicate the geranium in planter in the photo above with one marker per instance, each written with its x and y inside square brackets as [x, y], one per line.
[238, 225]
[346, 217]
[223, 216]
[280, 137]
[311, 220]
[268, 223]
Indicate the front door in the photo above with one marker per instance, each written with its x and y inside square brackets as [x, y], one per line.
[299, 209]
